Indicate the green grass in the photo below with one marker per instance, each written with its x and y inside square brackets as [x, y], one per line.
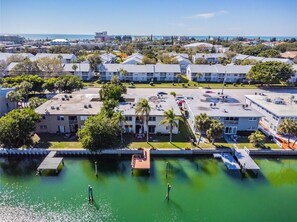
[193, 85]
[179, 141]
[242, 142]
[53, 141]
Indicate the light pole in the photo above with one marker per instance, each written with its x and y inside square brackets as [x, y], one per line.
[224, 82]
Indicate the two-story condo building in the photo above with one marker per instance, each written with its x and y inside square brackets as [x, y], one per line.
[210, 58]
[274, 107]
[66, 113]
[218, 73]
[82, 70]
[66, 58]
[140, 73]
[234, 115]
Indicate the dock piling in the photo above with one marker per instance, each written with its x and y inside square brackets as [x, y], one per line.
[96, 169]
[90, 190]
[168, 191]
[166, 169]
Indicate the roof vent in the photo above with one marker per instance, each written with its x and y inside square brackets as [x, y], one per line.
[52, 107]
[58, 108]
[86, 106]
[70, 96]
[90, 106]
[63, 99]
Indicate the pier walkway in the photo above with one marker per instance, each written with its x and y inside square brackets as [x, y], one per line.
[141, 162]
[50, 162]
[245, 161]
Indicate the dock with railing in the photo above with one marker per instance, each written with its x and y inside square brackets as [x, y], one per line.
[141, 162]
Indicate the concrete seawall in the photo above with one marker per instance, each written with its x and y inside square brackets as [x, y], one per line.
[120, 152]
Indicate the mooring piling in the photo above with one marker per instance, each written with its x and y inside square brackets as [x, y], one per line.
[168, 191]
[166, 169]
[96, 169]
[91, 198]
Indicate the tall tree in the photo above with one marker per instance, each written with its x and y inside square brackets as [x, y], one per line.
[120, 120]
[216, 129]
[171, 120]
[95, 61]
[202, 123]
[24, 88]
[270, 72]
[14, 97]
[257, 139]
[98, 132]
[288, 127]
[34, 102]
[143, 110]
[124, 73]
[74, 67]
[17, 126]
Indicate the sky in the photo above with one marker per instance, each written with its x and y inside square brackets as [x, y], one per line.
[157, 17]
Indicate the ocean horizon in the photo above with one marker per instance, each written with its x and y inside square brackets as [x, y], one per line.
[90, 37]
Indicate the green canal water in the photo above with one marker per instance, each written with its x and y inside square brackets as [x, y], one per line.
[202, 190]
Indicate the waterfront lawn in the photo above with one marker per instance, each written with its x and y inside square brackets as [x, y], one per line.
[179, 141]
[189, 85]
[55, 141]
[242, 142]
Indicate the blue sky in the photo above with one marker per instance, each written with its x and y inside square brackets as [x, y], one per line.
[159, 17]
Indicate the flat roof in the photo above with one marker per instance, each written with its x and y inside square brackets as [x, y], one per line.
[288, 108]
[158, 104]
[60, 105]
[230, 107]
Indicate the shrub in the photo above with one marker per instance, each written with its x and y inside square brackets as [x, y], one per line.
[241, 84]
[132, 83]
[131, 86]
[225, 84]
[183, 85]
[234, 84]
[189, 84]
[151, 83]
[158, 134]
[173, 94]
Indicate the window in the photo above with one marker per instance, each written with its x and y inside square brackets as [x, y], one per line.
[152, 129]
[43, 117]
[152, 118]
[60, 118]
[83, 118]
[43, 127]
[128, 118]
[252, 118]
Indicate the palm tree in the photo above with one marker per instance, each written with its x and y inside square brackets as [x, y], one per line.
[202, 123]
[143, 110]
[257, 138]
[216, 130]
[118, 116]
[178, 76]
[170, 119]
[74, 67]
[60, 57]
[24, 88]
[287, 127]
[124, 73]
[14, 97]
[198, 76]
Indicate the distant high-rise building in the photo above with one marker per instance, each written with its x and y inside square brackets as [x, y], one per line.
[12, 38]
[101, 36]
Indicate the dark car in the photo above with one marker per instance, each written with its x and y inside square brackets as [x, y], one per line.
[161, 93]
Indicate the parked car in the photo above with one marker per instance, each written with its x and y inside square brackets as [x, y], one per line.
[162, 93]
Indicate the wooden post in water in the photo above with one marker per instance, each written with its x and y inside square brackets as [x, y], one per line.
[168, 191]
[91, 199]
[166, 169]
[96, 169]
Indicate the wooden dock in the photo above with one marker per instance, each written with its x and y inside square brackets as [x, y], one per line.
[228, 160]
[141, 162]
[245, 161]
[50, 163]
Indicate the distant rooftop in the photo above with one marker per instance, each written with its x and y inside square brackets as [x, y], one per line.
[280, 104]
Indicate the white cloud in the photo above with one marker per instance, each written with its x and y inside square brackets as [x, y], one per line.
[207, 15]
